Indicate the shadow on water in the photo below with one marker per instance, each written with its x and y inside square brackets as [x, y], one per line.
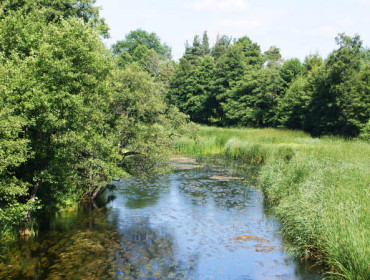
[200, 222]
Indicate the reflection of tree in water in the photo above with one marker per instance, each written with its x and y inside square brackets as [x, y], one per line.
[77, 247]
[140, 193]
[148, 253]
[88, 246]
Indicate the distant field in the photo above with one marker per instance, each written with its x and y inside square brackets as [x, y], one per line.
[318, 187]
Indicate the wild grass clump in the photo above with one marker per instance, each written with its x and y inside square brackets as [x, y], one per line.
[247, 152]
[319, 188]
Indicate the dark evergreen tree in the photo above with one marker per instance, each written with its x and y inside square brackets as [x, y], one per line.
[205, 44]
[221, 46]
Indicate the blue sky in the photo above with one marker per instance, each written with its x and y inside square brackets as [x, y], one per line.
[297, 27]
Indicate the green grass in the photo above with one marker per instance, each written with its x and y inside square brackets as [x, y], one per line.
[319, 188]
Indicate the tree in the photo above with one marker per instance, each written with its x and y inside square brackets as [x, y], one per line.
[291, 69]
[312, 61]
[55, 10]
[340, 104]
[272, 57]
[70, 121]
[205, 44]
[294, 104]
[231, 67]
[192, 53]
[191, 89]
[139, 38]
[253, 101]
[220, 47]
[144, 124]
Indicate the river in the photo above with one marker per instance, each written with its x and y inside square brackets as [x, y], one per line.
[199, 222]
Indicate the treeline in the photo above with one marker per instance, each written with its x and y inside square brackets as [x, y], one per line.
[234, 84]
[71, 118]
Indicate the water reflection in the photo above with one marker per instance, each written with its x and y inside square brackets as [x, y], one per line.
[185, 225]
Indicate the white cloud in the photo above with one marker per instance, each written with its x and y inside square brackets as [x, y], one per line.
[365, 2]
[220, 5]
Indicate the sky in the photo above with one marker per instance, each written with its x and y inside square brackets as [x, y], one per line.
[297, 27]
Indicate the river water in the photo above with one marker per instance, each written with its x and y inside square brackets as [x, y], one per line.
[195, 223]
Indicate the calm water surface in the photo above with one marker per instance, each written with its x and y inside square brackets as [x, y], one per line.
[185, 225]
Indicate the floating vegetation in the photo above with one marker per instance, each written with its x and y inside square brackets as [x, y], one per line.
[251, 238]
[264, 248]
[225, 178]
[182, 159]
[189, 166]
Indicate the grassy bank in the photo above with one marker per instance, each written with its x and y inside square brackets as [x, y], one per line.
[318, 187]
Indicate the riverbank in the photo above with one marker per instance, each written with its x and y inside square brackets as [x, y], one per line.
[319, 188]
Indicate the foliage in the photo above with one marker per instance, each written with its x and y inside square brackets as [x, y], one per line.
[341, 103]
[143, 47]
[272, 57]
[70, 120]
[55, 10]
[190, 88]
[231, 63]
[220, 47]
[291, 70]
[323, 97]
[252, 101]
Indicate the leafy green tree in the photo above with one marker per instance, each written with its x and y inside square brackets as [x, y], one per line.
[272, 57]
[340, 105]
[70, 121]
[191, 89]
[231, 67]
[365, 56]
[14, 152]
[293, 105]
[55, 10]
[144, 124]
[145, 49]
[291, 69]
[312, 61]
[253, 101]
[138, 38]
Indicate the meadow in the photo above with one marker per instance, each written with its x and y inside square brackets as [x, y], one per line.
[318, 187]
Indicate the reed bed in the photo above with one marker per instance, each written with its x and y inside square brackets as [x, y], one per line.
[319, 188]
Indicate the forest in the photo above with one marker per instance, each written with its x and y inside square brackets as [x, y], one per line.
[75, 115]
[235, 84]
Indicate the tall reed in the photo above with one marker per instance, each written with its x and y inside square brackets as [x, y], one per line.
[319, 188]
